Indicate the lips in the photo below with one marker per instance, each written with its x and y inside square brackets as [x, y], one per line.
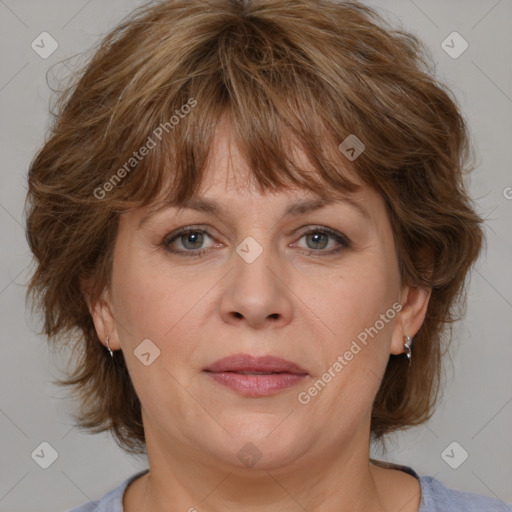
[256, 376]
[243, 363]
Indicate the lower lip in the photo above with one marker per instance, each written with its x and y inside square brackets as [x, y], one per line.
[257, 385]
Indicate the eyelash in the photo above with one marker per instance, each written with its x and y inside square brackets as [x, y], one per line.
[341, 239]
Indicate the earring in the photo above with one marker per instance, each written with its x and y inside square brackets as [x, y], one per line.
[408, 349]
[109, 349]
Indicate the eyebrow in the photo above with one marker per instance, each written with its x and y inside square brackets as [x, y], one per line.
[300, 207]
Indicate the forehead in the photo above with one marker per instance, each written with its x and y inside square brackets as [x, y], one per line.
[228, 186]
[222, 202]
[227, 173]
[227, 166]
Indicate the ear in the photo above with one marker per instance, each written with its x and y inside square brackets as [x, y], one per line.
[102, 316]
[414, 302]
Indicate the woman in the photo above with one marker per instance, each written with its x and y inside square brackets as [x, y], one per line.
[252, 217]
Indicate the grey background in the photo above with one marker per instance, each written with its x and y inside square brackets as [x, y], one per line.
[476, 410]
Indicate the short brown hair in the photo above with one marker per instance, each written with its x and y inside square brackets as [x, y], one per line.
[288, 73]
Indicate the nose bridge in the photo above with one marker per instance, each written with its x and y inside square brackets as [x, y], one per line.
[255, 293]
[253, 265]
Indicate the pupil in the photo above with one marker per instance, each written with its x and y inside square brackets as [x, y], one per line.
[316, 239]
[192, 240]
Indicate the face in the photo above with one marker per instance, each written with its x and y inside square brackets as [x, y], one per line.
[315, 287]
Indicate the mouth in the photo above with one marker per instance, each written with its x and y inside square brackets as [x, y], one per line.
[256, 376]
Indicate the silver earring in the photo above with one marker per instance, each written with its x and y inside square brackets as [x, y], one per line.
[109, 349]
[408, 349]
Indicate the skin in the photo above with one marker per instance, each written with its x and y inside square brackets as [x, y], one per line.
[304, 308]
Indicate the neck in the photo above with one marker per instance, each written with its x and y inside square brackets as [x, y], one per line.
[337, 479]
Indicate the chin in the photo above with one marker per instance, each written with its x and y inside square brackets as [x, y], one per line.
[259, 441]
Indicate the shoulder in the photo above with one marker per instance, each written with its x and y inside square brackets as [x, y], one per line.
[438, 498]
[110, 502]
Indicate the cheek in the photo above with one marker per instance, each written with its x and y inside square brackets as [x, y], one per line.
[354, 298]
[153, 304]
[360, 315]
[146, 300]
[358, 309]
[156, 301]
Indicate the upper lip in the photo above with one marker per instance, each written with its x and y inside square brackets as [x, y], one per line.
[248, 363]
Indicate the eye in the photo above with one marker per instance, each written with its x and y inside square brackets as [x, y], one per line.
[190, 239]
[317, 240]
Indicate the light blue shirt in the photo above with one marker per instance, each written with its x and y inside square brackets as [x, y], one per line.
[435, 497]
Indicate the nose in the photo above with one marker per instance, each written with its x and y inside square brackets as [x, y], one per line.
[256, 293]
